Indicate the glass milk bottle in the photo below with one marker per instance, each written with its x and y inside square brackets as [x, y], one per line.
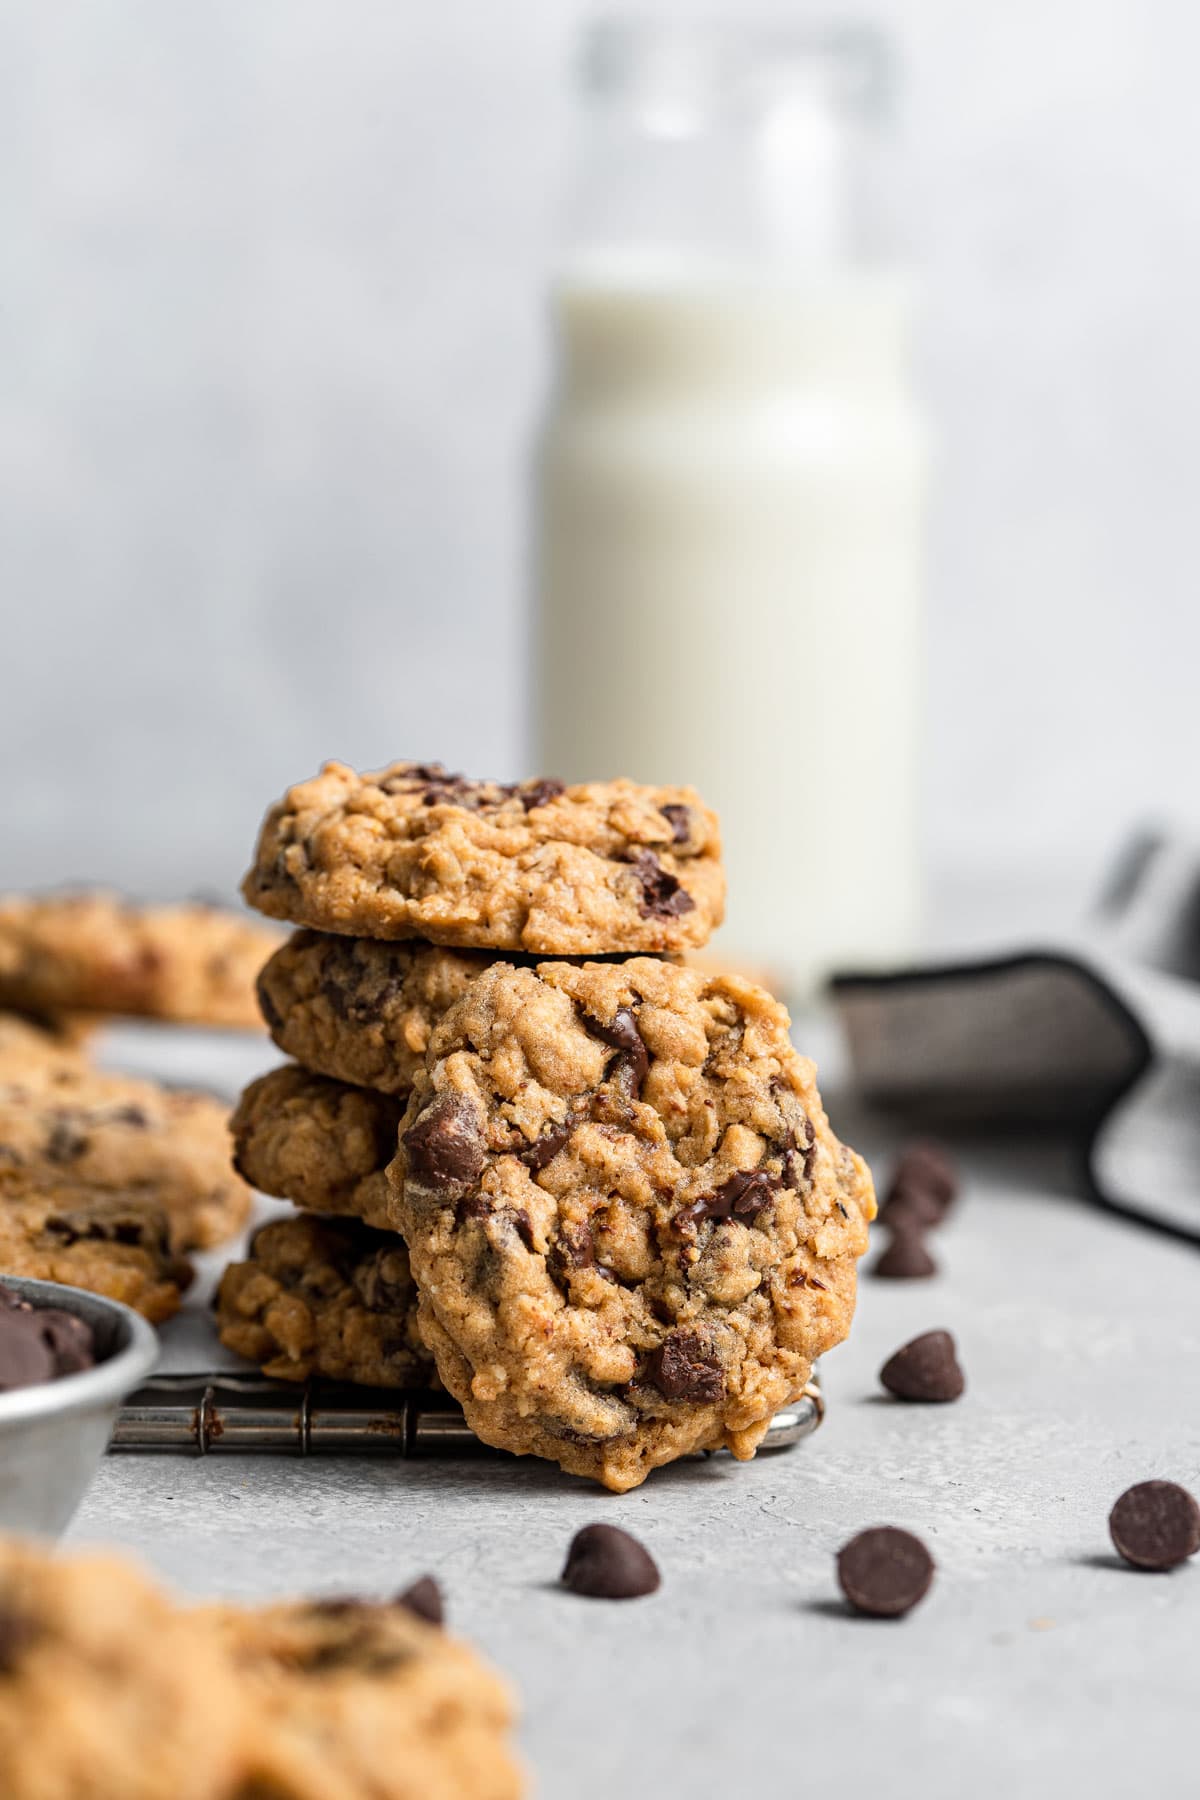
[730, 480]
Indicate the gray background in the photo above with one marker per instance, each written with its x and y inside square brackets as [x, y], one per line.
[272, 346]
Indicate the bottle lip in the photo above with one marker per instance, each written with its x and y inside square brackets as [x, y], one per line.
[681, 75]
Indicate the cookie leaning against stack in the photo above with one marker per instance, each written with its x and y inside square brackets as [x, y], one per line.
[629, 1227]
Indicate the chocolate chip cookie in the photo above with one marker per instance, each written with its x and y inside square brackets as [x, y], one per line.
[114, 1131]
[93, 952]
[632, 1227]
[411, 851]
[325, 1297]
[358, 1010]
[56, 1228]
[348, 1698]
[107, 1690]
[320, 1143]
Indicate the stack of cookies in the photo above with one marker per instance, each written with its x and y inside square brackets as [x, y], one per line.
[591, 1186]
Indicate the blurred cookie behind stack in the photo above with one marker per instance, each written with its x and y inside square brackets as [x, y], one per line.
[105, 1178]
[612, 1208]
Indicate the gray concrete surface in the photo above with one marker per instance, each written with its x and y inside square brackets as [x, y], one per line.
[1038, 1664]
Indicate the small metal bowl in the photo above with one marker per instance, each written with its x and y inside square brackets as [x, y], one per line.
[52, 1436]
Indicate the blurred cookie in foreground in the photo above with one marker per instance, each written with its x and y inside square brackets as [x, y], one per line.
[55, 1228]
[320, 1143]
[108, 1690]
[325, 1297]
[347, 1697]
[93, 952]
[112, 1132]
[413, 851]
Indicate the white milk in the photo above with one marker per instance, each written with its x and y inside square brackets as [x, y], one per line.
[729, 569]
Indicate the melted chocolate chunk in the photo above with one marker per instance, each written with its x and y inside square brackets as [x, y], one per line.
[444, 1148]
[375, 1281]
[522, 1224]
[66, 1142]
[624, 1036]
[331, 989]
[742, 1197]
[926, 1369]
[1155, 1525]
[574, 1248]
[540, 793]
[680, 820]
[662, 895]
[606, 1563]
[884, 1572]
[543, 1150]
[132, 1115]
[268, 1008]
[424, 1598]
[107, 1225]
[685, 1367]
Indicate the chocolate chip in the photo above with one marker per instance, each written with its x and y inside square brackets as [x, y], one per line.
[66, 1142]
[17, 1632]
[543, 1150]
[522, 1225]
[444, 1148]
[884, 1571]
[540, 793]
[335, 992]
[606, 1563]
[624, 1036]
[68, 1339]
[1155, 1525]
[267, 1007]
[743, 1197]
[905, 1259]
[662, 895]
[925, 1369]
[573, 1248]
[424, 1598]
[382, 1280]
[927, 1165]
[685, 1367]
[908, 1204]
[25, 1361]
[679, 818]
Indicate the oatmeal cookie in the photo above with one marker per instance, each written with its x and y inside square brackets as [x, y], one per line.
[325, 1297]
[346, 1699]
[55, 1228]
[359, 1010]
[115, 1131]
[411, 851]
[319, 1143]
[632, 1227]
[94, 952]
[106, 1689]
